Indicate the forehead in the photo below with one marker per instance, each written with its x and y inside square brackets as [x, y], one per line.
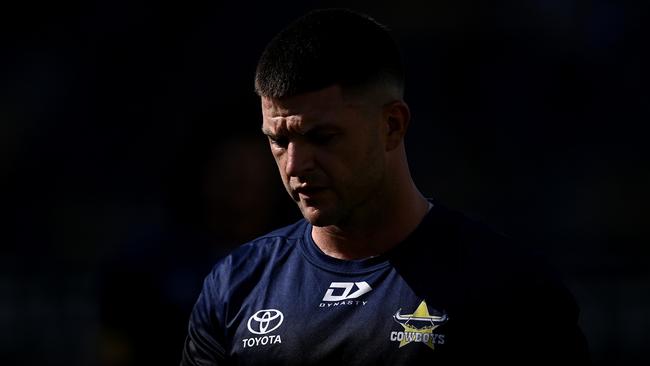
[322, 105]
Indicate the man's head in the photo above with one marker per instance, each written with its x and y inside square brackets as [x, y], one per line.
[327, 47]
[331, 86]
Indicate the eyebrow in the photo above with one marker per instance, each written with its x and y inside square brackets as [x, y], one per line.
[314, 129]
[269, 133]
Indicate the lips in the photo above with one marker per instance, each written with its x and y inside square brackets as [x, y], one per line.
[308, 192]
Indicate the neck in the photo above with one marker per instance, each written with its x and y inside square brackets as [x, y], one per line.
[385, 221]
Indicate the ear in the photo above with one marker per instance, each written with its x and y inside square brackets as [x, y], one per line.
[396, 116]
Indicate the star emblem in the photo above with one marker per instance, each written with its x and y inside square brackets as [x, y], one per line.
[418, 324]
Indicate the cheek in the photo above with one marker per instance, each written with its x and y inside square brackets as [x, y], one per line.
[279, 162]
[360, 153]
[366, 164]
[340, 168]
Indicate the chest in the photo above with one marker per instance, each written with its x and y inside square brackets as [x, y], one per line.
[305, 316]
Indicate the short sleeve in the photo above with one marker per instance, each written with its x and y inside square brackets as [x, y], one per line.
[204, 344]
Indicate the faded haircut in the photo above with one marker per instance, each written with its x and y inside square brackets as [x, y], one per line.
[329, 47]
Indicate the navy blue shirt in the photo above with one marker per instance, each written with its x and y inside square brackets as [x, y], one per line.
[452, 292]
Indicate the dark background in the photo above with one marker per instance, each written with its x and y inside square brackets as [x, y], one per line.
[131, 158]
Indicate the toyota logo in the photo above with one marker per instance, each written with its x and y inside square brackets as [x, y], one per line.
[265, 321]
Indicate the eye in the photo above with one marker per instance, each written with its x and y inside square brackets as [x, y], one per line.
[280, 142]
[322, 138]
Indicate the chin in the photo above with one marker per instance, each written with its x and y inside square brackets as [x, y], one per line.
[318, 216]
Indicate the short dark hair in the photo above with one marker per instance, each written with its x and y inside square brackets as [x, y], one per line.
[328, 47]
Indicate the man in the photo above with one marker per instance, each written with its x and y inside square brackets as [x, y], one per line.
[375, 273]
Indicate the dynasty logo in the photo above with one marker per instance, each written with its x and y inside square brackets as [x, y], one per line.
[341, 294]
[419, 327]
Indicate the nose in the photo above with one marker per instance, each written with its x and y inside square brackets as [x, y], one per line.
[300, 159]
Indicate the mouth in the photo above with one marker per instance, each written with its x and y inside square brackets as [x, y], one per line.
[307, 192]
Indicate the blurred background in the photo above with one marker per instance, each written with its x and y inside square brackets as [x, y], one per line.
[131, 158]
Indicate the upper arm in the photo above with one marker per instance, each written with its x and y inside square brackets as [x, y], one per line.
[205, 343]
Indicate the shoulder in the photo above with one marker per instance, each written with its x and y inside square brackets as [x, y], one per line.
[498, 274]
[273, 243]
[486, 260]
[249, 259]
[474, 240]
